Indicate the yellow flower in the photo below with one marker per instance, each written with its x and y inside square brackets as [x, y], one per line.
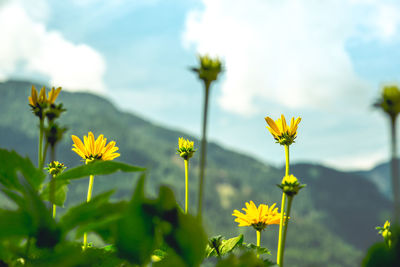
[185, 149]
[94, 150]
[283, 133]
[34, 100]
[259, 217]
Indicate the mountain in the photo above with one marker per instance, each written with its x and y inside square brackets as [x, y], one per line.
[380, 175]
[333, 218]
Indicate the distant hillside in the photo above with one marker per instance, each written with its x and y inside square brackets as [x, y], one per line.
[380, 175]
[333, 218]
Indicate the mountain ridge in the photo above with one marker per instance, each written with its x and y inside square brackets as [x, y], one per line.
[232, 178]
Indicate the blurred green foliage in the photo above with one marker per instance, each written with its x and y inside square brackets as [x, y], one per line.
[332, 223]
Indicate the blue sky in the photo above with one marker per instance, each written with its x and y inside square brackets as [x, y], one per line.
[322, 60]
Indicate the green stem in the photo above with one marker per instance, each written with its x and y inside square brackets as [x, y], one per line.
[53, 193]
[89, 196]
[53, 179]
[54, 211]
[258, 242]
[186, 185]
[289, 206]
[28, 246]
[203, 151]
[40, 152]
[281, 241]
[46, 146]
[395, 171]
[280, 253]
[287, 159]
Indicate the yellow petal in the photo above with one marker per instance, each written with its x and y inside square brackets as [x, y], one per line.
[42, 95]
[272, 124]
[284, 125]
[78, 143]
[98, 143]
[33, 97]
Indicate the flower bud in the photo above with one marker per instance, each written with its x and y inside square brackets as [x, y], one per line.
[55, 168]
[290, 185]
[185, 148]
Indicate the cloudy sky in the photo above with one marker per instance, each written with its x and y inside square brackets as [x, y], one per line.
[324, 61]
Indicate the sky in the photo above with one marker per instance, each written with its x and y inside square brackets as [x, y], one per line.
[323, 61]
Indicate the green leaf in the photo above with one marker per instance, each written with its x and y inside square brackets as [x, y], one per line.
[12, 164]
[230, 244]
[217, 246]
[171, 259]
[109, 248]
[248, 259]
[61, 189]
[136, 235]
[88, 212]
[188, 239]
[15, 224]
[259, 250]
[97, 168]
[47, 233]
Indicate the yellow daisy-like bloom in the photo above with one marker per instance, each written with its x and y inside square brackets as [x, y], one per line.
[185, 148]
[92, 149]
[283, 133]
[34, 100]
[259, 217]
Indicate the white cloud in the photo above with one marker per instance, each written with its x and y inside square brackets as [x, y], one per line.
[28, 46]
[365, 161]
[289, 52]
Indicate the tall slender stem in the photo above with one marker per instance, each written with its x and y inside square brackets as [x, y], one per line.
[90, 188]
[54, 211]
[395, 171]
[53, 193]
[186, 185]
[53, 178]
[287, 159]
[89, 196]
[258, 242]
[281, 237]
[289, 206]
[203, 151]
[40, 150]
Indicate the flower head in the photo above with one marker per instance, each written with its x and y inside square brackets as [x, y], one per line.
[91, 149]
[386, 233]
[34, 100]
[390, 100]
[209, 68]
[259, 217]
[185, 148]
[283, 133]
[290, 185]
[55, 168]
[40, 103]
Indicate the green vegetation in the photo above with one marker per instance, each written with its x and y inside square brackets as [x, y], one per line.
[335, 217]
